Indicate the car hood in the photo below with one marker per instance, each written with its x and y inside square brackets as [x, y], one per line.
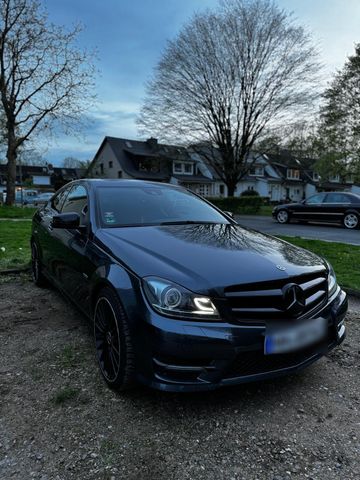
[206, 257]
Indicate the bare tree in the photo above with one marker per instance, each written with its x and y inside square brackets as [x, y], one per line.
[228, 75]
[45, 79]
[72, 162]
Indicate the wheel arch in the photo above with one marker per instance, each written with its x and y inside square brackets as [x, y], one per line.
[123, 283]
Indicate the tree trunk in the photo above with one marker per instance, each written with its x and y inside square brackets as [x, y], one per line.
[231, 187]
[11, 155]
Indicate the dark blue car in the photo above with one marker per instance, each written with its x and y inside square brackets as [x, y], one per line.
[181, 297]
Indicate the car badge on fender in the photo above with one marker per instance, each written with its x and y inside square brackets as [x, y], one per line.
[280, 267]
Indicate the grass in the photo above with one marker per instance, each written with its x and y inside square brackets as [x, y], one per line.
[16, 212]
[64, 395]
[343, 257]
[71, 357]
[15, 239]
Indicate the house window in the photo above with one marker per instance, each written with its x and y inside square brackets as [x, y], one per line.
[334, 178]
[177, 167]
[119, 174]
[149, 165]
[293, 174]
[256, 171]
[101, 168]
[110, 164]
[221, 189]
[183, 168]
[315, 176]
[204, 190]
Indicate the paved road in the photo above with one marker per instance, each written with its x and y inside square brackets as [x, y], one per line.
[332, 233]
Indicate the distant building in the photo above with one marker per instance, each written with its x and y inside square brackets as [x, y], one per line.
[149, 160]
[41, 178]
[279, 177]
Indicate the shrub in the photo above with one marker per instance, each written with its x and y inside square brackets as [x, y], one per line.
[238, 205]
[249, 193]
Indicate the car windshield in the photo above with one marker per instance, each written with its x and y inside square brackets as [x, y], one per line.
[153, 205]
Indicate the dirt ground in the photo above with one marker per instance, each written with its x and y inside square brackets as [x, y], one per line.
[58, 420]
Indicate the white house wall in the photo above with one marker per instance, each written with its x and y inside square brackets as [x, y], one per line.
[105, 157]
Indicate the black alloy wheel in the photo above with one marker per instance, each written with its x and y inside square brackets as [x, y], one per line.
[113, 342]
[36, 268]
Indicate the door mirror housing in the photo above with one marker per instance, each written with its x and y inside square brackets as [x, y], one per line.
[66, 220]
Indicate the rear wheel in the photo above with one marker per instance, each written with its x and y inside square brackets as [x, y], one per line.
[113, 342]
[282, 216]
[351, 220]
[36, 268]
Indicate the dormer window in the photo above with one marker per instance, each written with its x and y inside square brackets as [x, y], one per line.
[293, 174]
[183, 168]
[256, 171]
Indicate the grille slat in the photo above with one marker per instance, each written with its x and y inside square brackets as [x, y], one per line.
[266, 300]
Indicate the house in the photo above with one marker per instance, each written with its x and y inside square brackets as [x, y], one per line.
[42, 178]
[149, 160]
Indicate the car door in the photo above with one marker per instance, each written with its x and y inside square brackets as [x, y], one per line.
[336, 205]
[44, 229]
[311, 209]
[72, 265]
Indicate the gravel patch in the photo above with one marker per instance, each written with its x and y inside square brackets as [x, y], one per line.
[59, 421]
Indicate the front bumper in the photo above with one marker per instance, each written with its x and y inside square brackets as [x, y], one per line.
[192, 356]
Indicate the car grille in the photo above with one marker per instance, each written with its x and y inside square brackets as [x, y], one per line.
[269, 300]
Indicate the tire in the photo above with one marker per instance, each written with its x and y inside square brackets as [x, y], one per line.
[282, 216]
[36, 268]
[351, 221]
[113, 342]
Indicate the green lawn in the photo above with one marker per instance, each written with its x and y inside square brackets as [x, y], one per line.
[344, 258]
[14, 238]
[16, 212]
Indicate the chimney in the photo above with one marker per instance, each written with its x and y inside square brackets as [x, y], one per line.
[152, 142]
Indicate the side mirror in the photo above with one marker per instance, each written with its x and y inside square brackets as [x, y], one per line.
[229, 214]
[66, 220]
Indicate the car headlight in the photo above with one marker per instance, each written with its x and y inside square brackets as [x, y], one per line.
[332, 283]
[171, 299]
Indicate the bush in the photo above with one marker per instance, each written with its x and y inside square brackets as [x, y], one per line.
[249, 193]
[238, 205]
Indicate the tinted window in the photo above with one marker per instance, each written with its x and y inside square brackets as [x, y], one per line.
[315, 199]
[76, 201]
[337, 198]
[58, 200]
[141, 205]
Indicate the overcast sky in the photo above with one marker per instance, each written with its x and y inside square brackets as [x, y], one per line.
[130, 35]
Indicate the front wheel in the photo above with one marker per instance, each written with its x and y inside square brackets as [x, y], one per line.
[351, 220]
[113, 342]
[282, 216]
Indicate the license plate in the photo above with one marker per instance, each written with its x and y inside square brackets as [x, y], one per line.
[295, 337]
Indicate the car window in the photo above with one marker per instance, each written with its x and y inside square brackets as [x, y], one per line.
[337, 198]
[316, 199]
[58, 200]
[76, 202]
[140, 205]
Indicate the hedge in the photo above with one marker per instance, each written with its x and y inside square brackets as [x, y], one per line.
[239, 205]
